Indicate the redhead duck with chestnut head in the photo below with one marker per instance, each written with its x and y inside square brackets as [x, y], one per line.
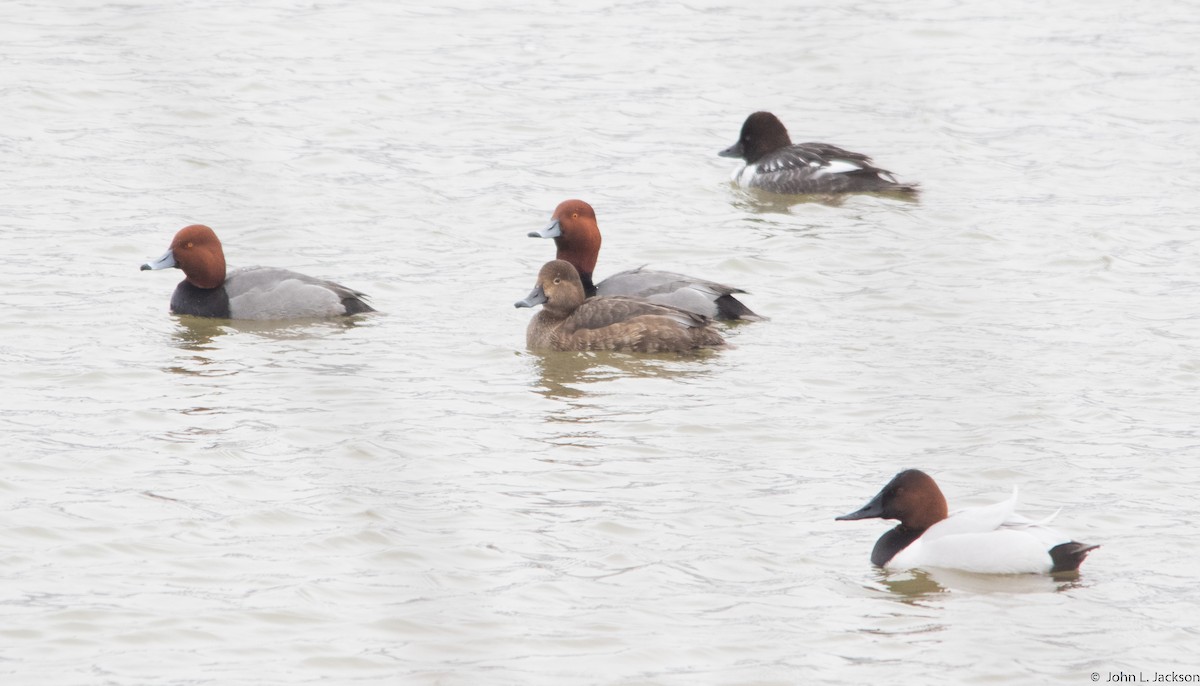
[261, 293]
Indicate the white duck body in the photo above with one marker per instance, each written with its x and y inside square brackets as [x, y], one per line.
[992, 539]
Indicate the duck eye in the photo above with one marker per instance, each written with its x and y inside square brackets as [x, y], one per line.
[557, 280]
[574, 215]
[189, 244]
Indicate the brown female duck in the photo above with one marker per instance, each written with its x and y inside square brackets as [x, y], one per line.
[570, 321]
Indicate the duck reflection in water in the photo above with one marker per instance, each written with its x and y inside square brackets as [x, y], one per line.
[915, 585]
[199, 335]
[567, 375]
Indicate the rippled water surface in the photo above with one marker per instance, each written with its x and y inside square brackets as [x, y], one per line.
[413, 498]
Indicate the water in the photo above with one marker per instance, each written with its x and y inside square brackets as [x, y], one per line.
[413, 498]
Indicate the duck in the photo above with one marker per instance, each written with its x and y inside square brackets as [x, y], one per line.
[577, 239]
[570, 321]
[260, 293]
[992, 539]
[773, 163]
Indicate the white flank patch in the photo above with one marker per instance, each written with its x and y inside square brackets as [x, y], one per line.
[838, 167]
[745, 174]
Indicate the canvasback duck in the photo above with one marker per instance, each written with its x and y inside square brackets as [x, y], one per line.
[572, 322]
[250, 292]
[577, 238]
[991, 540]
[775, 164]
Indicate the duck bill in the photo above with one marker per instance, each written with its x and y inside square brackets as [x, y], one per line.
[536, 297]
[734, 150]
[165, 262]
[551, 230]
[871, 510]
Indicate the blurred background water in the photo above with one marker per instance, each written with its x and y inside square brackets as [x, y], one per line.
[414, 498]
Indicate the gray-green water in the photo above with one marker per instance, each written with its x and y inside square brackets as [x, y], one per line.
[415, 499]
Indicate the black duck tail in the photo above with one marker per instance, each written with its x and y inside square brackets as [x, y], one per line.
[729, 307]
[354, 305]
[1068, 556]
